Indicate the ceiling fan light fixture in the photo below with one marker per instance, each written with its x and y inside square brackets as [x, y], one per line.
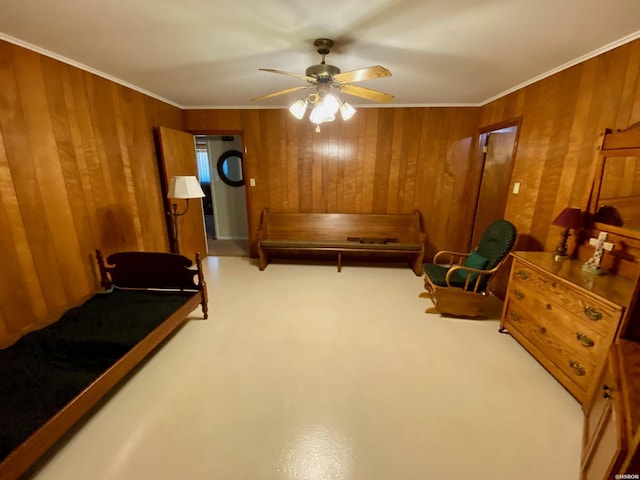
[299, 108]
[320, 115]
[347, 111]
[330, 104]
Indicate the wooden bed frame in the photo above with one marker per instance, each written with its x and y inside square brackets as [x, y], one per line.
[129, 270]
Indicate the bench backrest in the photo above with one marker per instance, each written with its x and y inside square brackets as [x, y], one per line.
[405, 227]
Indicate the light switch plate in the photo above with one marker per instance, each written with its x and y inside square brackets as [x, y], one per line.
[516, 188]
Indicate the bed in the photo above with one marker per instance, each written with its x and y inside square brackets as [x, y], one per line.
[50, 378]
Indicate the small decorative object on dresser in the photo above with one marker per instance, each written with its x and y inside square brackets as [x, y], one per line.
[593, 264]
[569, 218]
[565, 318]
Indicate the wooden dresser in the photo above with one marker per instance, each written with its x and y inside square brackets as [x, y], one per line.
[566, 318]
[611, 433]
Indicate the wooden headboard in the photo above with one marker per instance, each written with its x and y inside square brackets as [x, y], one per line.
[149, 270]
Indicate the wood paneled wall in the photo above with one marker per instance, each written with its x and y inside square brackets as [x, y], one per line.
[79, 168]
[562, 119]
[383, 160]
[78, 171]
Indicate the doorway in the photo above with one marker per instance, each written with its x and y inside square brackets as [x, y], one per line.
[497, 144]
[221, 175]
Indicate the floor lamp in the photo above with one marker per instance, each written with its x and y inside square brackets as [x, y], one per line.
[182, 187]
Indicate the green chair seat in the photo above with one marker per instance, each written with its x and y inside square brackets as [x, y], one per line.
[438, 273]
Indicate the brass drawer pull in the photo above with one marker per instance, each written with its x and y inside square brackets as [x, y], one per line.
[592, 313]
[584, 340]
[518, 294]
[514, 316]
[522, 274]
[577, 368]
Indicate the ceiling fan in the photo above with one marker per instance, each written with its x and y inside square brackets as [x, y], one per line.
[324, 76]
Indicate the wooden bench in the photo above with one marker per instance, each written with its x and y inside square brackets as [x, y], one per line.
[388, 235]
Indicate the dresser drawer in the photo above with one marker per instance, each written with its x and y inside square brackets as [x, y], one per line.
[540, 333]
[600, 316]
[578, 334]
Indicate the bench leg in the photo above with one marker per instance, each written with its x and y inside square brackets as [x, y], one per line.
[416, 265]
[263, 260]
[339, 262]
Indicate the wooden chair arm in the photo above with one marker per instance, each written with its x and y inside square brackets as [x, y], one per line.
[481, 274]
[455, 257]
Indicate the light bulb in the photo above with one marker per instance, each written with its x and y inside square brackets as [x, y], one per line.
[330, 103]
[320, 115]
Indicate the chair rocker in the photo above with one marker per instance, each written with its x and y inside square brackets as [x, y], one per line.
[457, 282]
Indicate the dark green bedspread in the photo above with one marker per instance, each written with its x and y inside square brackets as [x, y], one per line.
[46, 369]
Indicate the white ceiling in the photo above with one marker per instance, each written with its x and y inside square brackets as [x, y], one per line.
[206, 53]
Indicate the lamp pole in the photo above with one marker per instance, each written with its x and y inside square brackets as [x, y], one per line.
[176, 230]
[184, 187]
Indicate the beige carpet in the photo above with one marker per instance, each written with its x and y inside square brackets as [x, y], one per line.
[303, 373]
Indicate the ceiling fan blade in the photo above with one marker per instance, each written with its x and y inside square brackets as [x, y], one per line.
[362, 74]
[367, 93]
[281, 92]
[282, 72]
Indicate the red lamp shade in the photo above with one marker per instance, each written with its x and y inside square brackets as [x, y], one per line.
[569, 218]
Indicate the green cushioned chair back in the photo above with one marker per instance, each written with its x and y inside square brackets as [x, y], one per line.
[497, 241]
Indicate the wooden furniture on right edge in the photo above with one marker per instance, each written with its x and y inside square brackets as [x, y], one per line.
[585, 328]
[611, 437]
[612, 411]
[565, 318]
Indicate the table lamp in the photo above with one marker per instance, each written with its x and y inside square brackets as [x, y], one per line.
[569, 218]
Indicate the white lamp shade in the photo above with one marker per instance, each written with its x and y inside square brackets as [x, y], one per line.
[185, 187]
[347, 111]
[298, 109]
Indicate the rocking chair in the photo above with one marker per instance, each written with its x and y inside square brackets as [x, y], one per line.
[457, 282]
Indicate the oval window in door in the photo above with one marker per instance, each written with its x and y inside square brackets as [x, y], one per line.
[230, 168]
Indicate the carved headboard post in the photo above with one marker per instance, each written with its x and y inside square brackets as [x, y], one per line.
[105, 279]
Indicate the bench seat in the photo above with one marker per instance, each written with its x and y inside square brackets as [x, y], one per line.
[341, 245]
[391, 235]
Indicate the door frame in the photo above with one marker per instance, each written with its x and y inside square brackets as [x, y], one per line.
[247, 193]
[481, 141]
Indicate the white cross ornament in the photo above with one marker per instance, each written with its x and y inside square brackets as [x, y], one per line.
[593, 264]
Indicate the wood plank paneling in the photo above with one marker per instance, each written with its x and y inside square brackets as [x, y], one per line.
[78, 171]
[562, 117]
[383, 160]
[79, 166]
